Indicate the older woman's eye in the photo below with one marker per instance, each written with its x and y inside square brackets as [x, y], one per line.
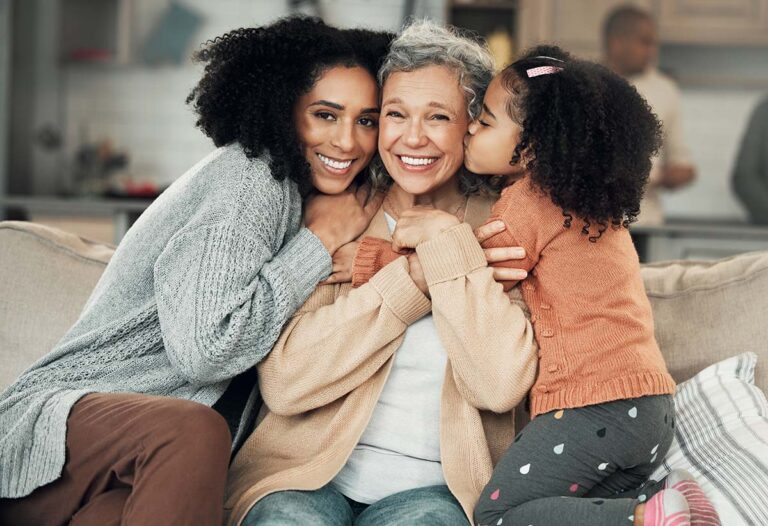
[368, 122]
[395, 114]
[326, 116]
[440, 117]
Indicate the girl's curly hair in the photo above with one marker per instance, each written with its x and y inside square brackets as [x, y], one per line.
[254, 76]
[587, 136]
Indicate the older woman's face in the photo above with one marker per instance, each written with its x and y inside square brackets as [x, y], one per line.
[421, 133]
[337, 123]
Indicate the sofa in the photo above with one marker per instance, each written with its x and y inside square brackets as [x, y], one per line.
[704, 311]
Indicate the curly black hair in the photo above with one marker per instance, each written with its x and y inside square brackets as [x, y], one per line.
[254, 76]
[587, 136]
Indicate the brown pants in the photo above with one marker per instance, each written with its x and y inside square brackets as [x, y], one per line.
[133, 460]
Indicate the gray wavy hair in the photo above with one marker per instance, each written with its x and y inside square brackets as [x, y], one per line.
[424, 43]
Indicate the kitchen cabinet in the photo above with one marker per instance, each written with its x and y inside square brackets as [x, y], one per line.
[726, 22]
[577, 26]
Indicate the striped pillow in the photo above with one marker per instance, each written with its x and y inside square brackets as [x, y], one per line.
[722, 439]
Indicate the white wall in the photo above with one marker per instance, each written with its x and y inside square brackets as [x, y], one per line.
[142, 109]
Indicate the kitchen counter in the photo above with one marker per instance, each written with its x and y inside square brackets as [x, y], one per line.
[122, 211]
[698, 238]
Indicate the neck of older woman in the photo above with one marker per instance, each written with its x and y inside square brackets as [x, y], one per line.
[446, 197]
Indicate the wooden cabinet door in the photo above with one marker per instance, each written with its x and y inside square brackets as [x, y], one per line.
[712, 21]
[577, 26]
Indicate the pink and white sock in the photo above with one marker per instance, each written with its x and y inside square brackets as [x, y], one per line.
[703, 512]
[667, 508]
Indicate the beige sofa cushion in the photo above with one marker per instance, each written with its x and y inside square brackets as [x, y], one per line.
[706, 311]
[46, 276]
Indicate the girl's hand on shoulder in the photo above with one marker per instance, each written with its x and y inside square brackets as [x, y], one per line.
[419, 224]
[341, 218]
[501, 256]
[343, 262]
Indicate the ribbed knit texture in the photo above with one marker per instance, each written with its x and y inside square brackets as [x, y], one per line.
[590, 313]
[196, 293]
[322, 380]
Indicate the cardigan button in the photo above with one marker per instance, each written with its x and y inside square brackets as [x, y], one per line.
[543, 388]
[529, 287]
[553, 368]
[534, 318]
[547, 333]
[546, 306]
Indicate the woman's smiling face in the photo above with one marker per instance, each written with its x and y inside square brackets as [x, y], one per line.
[424, 121]
[337, 123]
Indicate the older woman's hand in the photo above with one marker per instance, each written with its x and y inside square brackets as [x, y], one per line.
[501, 254]
[419, 224]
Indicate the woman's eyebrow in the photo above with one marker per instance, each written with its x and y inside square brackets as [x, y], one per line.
[432, 104]
[441, 106]
[328, 103]
[340, 107]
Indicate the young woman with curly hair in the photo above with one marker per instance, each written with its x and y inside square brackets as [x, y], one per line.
[577, 140]
[129, 419]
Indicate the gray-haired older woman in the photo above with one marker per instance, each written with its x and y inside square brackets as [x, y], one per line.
[389, 403]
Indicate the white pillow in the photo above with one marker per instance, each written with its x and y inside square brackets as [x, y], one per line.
[721, 437]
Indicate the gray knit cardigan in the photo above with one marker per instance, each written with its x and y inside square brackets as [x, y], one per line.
[196, 293]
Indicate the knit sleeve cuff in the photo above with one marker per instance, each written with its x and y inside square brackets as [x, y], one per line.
[454, 253]
[400, 293]
[372, 255]
[306, 262]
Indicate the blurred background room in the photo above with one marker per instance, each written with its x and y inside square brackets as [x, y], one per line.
[94, 125]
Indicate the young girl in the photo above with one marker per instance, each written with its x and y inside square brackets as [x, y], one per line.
[578, 140]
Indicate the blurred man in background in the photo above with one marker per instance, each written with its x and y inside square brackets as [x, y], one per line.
[750, 174]
[631, 47]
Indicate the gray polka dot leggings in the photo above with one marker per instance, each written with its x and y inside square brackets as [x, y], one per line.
[588, 465]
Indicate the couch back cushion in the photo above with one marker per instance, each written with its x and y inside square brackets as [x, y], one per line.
[46, 276]
[706, 311]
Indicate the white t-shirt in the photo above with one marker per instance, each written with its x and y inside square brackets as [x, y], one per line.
[400, 448]
[663, 97]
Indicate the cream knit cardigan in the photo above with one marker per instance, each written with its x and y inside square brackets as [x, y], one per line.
[322, 380]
